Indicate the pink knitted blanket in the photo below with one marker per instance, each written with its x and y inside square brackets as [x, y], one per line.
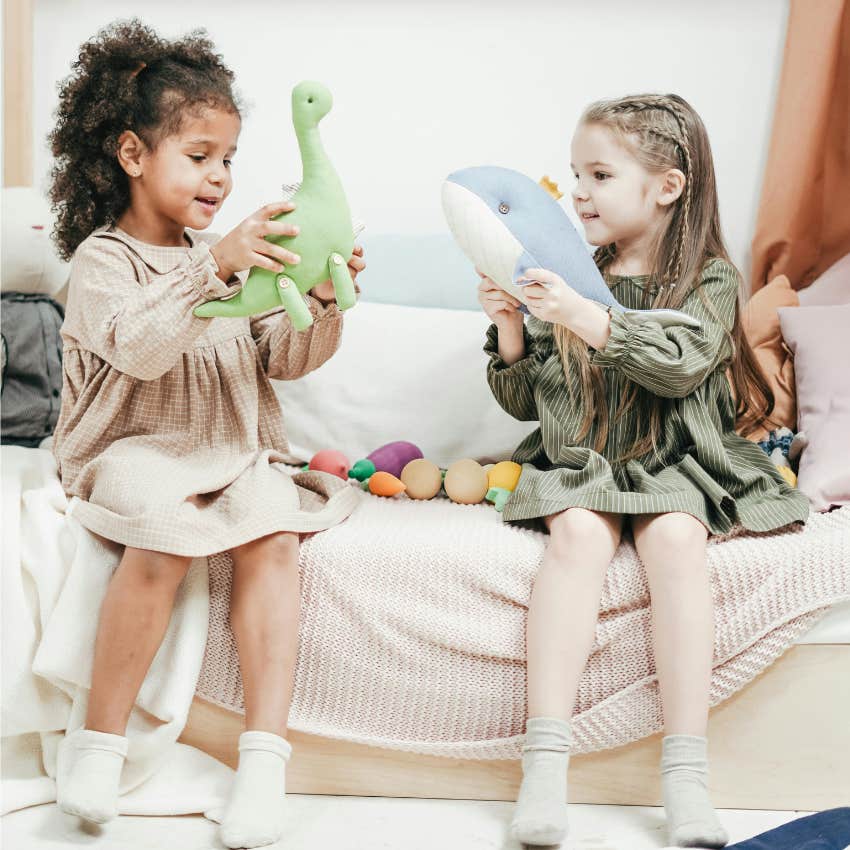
[413, 619]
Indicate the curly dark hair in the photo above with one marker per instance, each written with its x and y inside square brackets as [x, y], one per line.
[125, 78]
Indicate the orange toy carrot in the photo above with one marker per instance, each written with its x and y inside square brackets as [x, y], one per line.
[384, 484]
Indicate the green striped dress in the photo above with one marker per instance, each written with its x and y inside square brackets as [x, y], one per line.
[702, 466]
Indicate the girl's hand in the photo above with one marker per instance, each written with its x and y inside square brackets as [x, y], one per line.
[552, 299]
[324, 292]
[245, 245]
[502, 308]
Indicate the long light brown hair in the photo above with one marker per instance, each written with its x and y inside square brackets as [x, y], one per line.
[664, 132]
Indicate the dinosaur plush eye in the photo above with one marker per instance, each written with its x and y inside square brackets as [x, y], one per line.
[504, 209]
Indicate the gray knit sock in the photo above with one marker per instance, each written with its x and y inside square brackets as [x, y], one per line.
[541, 810]
[90, 790]
[254, 814]
[691, 819]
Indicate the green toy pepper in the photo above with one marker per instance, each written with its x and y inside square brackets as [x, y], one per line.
[326, 238]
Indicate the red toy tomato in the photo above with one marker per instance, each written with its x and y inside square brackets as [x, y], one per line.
[330, 460]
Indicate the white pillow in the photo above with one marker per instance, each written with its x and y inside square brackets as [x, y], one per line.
[402, 373]
[30, 261]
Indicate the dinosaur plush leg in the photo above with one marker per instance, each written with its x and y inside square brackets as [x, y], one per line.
[296, 307]
[343, 284]
[257, 295]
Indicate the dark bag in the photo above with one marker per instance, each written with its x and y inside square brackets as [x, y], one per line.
[32, 367]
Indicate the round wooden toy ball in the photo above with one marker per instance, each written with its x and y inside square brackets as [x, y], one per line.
[422, 478]
[466, 482]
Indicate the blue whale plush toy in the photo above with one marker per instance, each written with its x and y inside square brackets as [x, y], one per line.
[506, 223]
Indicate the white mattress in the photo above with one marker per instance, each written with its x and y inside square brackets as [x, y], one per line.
[834, 627]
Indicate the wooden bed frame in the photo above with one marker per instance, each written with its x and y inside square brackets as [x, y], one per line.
[781, 743]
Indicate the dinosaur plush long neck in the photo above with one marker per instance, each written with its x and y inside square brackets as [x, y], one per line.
[314, 161]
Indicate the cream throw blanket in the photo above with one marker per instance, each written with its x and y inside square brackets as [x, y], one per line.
[413, 618]
[55, 575]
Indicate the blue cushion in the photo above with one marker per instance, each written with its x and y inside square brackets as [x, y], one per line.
[829, 830]
[417, 271]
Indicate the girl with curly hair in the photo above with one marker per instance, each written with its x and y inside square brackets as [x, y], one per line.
[170, 440]
[637, 432]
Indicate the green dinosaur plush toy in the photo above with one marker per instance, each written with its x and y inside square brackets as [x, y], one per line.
[326, 236]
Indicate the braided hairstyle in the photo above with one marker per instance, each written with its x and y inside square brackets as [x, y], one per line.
[663, 131]
[125, 78]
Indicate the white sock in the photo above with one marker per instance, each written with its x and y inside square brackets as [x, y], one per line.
[254, 814]
[691, 819]
[541, 810]
[90, 790]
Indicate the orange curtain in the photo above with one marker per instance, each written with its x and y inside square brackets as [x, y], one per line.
[803, 223]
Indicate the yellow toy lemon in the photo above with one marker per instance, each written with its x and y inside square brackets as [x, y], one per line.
[788, 474]
[503, 478]
[505, 475]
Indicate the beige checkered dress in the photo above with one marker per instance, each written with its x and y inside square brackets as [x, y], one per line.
[170, 433]
[702, 467]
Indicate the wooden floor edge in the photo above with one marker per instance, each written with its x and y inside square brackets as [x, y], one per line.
[745, 730]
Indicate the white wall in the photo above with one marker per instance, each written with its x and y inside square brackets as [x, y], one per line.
[424, 88]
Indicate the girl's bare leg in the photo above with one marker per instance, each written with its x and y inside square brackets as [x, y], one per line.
[562, 619]
[672, 548]
[133, 619]
[265, 610]
[564, 607]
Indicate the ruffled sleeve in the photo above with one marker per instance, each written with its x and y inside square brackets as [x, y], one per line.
[141, 330]
[287, 354]
[672, 362]
[513, 386]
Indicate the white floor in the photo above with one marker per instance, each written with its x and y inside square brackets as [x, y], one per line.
[370, 823]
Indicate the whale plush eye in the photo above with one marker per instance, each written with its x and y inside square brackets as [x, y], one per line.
[504, 209]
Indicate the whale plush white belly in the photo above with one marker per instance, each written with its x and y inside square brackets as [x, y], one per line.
[506, 223]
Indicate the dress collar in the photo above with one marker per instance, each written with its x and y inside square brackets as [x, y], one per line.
[161, 258]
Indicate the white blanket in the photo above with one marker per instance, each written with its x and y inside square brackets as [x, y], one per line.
[55, 575]
[413, 622]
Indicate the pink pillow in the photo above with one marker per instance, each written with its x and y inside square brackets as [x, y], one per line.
[819, 337]
[832, 287]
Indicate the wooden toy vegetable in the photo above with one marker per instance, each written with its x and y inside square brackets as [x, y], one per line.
[502, 480]
[332, 461]
[466, 482]
[422, 478]
[384, 484]
[392, 458]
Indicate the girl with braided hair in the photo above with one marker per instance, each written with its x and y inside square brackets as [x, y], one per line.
[170, 440]
[637, 431]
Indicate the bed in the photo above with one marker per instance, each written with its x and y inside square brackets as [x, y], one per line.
[780, 742]
[806, 687]
[372, 666]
